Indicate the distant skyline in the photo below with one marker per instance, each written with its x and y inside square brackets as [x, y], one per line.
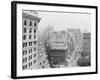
[62, 21]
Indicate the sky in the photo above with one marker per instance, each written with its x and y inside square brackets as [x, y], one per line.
[62, 21]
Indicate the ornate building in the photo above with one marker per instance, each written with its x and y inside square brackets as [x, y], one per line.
[57, 47]
[58, 40]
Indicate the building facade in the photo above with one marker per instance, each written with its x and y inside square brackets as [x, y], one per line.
[58, 40]
[30, 22]
[57, 47]
[85, 59]
[87, 46]
[87, 42]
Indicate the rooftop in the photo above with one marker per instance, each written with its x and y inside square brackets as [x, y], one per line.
[31, 14]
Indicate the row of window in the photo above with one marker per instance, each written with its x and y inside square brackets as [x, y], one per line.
[29, 58]
[30, 64]
[30, 30]
[30, 37]
[25, 59]
[60, 44]
[30, 51]
[24, 52]
[29, 43]
[30, 23]
[25, 67]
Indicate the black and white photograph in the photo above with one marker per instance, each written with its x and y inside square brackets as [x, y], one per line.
[54, 39]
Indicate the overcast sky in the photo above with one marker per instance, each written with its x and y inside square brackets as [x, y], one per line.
[62, 21]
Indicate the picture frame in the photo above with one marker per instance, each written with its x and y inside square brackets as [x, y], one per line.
[53, 14]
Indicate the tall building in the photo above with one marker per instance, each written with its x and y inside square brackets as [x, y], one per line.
[57, 47]
[85, 59]
[30, 22]
[86, 44]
